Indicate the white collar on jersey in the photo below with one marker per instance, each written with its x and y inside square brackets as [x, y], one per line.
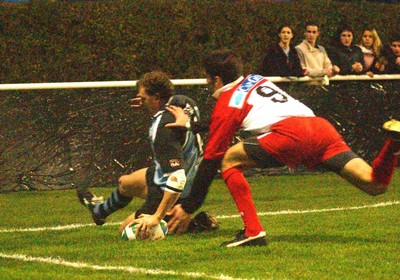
[218, 92]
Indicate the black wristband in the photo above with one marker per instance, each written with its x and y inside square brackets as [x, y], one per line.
[206, 173]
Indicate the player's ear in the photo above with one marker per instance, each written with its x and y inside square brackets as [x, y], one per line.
[218, 82]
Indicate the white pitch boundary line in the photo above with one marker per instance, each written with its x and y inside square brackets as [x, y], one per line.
[282, 212]
[289, 212]
[129, 269]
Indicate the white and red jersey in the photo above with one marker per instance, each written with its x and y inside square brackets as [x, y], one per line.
[252, 104]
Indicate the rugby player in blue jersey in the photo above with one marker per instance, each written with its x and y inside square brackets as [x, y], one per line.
[176, 154]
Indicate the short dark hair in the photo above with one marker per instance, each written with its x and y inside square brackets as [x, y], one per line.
[156, 82]
[280, 27]
[279, 30]
[342, 28]
[311, 23]
[394, 38]
[225, 64]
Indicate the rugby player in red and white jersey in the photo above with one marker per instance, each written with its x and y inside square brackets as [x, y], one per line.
[286, 132]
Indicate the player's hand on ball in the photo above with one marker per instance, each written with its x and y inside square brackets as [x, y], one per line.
[179, 221]
[144, 225]
[132, 232]
[142, 230]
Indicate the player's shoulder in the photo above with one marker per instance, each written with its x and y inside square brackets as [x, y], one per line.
[181, 100]
[187, 104]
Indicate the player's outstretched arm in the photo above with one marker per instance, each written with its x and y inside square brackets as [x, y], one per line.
[181, 119]
[179, 221]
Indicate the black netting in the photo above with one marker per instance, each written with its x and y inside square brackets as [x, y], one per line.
[63, 138]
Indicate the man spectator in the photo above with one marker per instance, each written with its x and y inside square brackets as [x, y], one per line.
[392, 55]
[313, 58]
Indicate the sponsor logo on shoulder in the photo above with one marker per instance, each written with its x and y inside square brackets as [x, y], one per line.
[174, 162]
[239, 96]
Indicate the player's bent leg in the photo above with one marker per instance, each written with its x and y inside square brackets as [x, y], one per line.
[375, 179]
[130, 186]
[385, 163]
[90, 201]
[134, 184]
[234, 161]
[359, 173]
[236, 156]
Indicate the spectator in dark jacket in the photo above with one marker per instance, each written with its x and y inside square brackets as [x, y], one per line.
[392, 55]
[281, 58]
[346, 55]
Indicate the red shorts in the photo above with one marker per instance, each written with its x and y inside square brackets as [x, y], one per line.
[303, 140]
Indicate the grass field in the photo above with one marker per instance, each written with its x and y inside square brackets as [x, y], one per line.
[318, 226]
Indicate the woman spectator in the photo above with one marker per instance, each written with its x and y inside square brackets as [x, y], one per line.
[281, 58]
[371, 46]
[346, 55]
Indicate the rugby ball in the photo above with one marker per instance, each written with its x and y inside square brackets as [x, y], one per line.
[157, 232]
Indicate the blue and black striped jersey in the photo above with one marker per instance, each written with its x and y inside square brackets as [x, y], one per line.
[175, 148]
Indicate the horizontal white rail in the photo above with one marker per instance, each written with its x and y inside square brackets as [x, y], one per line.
[180, 82]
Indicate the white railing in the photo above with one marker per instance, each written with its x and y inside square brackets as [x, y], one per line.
[184, 82]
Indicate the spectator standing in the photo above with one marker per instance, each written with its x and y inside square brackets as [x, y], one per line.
[371, 47]
[281, 58]
[346, 55]
[392, 55]
[313, 58]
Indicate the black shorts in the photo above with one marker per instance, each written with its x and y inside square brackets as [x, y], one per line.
[154, 196]
[265, 160]
[259, 155]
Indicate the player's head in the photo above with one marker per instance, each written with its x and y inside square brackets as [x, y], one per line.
[222, 67]
[155, 88]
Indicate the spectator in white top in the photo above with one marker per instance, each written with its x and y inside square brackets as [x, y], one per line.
[313, 58]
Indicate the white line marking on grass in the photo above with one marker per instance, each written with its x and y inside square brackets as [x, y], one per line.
[67, 227]
[288, 212]
[283, 212]
[129, 269]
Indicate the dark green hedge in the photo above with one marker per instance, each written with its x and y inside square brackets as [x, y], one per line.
[90, 137]
[119, 40]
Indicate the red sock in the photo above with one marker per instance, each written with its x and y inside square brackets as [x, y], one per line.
[385, 163]
[241, 193]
